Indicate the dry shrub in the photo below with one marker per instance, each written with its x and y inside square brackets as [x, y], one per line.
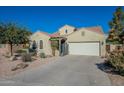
[116, 60]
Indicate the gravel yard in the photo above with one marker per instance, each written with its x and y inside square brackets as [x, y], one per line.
[6, 65]
[116, 80]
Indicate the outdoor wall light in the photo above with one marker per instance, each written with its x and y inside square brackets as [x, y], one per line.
[102, 43]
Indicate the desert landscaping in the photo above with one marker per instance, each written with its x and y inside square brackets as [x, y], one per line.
[10, 68]
[82, 52]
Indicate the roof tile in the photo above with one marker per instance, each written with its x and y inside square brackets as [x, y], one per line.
[96, 29]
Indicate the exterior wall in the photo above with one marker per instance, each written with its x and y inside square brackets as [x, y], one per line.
[85, 35]
[69, 29]
[46, 43]
[115, 46]
[5, 49]
[17, 47]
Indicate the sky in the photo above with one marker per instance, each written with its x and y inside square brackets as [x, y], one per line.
[51, 18]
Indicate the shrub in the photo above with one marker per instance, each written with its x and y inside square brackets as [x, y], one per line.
[116, 60]
[32, 51]
[26, 58]
[42, 55]
[7, 55]
[21, 51]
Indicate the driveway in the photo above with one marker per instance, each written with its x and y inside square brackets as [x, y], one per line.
[65, 71]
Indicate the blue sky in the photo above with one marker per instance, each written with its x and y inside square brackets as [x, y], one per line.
[50, 19]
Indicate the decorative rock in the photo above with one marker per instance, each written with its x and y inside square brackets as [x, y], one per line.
[56, 53]
[20, 66]
[12, 58]
[26, 58]
[19, 58]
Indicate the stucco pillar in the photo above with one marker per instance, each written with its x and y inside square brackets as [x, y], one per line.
[59, 47]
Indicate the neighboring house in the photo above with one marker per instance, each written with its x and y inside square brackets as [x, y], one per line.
[73, 41]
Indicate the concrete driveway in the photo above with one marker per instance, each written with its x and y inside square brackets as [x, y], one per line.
[65, 71]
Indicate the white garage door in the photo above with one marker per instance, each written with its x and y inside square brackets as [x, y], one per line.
[84, 49]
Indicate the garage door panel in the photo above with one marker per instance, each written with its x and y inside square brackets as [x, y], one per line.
[84, 49]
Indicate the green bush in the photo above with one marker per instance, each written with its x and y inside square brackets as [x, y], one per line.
[21, 51]
[116, 60]
[42, 55]
[32, 52]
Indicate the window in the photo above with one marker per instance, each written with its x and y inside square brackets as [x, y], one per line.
[83, 33]
[66, 31]
[41, 44]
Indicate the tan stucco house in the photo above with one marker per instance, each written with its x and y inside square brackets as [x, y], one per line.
[73, 41]
[42, 42]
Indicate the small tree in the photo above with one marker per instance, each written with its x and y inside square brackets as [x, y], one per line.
[14, 34]
[2, 33]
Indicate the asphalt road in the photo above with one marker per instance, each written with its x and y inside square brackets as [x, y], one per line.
[65, 71]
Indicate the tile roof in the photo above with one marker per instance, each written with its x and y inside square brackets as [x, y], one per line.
[56, 34]
[96, 29]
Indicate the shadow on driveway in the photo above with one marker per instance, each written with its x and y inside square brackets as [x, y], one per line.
[105, 67]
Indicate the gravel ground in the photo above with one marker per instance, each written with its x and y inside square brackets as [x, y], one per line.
[6, 65]
[116, 80]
